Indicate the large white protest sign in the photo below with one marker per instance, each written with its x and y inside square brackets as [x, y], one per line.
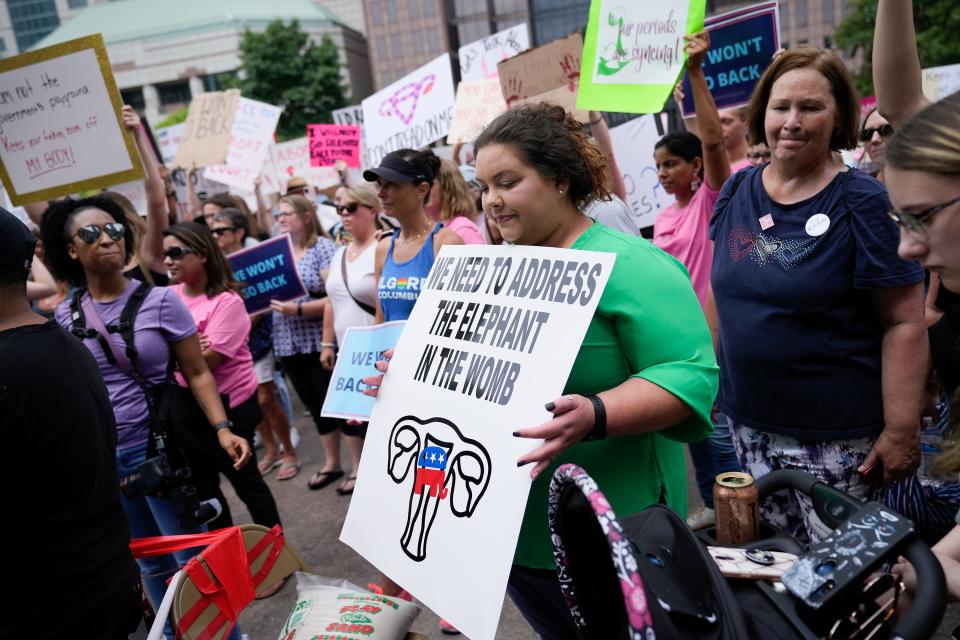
[633, 148]
[135, 192]
[479, 59]
[939, 82]
[291, 159]
[60, 127]
[250, 139]
[478, 103]
[493, 336]
[410, 113]
[168, 140]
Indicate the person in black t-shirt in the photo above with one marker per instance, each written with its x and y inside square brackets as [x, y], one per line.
[64, 534]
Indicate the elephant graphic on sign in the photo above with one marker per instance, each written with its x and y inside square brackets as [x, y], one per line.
[444, 466]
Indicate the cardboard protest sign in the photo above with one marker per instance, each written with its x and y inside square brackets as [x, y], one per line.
[742, 44]
[478, 103]
[250, 137]
[410, 113]
[940, 82]
[206, 134]
[332, 142]
[292, 159]
[634, 53]
[361, 348]
[479, 59]
[549, 73]
[438, 491]
[268, 272]
[168, 141]
[60, 127]
[633, 144]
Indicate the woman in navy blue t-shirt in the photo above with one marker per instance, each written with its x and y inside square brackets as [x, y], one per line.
[821, 323]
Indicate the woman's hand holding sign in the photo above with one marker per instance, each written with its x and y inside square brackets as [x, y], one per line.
[573, 418]
[373, 383]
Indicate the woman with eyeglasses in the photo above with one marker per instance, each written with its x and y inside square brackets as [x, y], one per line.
[204, 281]
[758, 154]
[88, 242]
[352, 293]
[298, 327]
[923, 175]
[821, 328]
[231, 230]
[450, 203]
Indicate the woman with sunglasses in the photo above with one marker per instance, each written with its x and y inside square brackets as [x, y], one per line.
[352, 295]
[204, 281]
[87, 243]
[298, 326]
[820, 323]
[450, 203]
[646, 358]
[874, 135]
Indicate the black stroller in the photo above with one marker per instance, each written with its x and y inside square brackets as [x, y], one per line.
[647, 575]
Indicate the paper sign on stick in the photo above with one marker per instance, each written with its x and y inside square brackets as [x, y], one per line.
[206, 133]
[60, 126]
[410, 113]
[361, 348]
[250, 137]
[940, 82]
[549, 73]
[267, 272]
[478, 103]
[633, 144]
[439, 492]
[479, 59]
[634, 53]
[292, 159]
[332, 142]
[742, 44]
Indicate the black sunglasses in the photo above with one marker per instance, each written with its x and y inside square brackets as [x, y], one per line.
[885, 131]
[222, 230]
[348, 208]
[91, 233]
[176, 253]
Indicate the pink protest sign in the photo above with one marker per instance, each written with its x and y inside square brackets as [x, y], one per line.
[332, 142]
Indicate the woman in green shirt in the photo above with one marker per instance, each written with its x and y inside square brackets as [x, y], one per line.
[647, 361]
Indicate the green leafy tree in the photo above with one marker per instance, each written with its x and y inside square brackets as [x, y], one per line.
[178, 116]
[937, 23]
[282, 66]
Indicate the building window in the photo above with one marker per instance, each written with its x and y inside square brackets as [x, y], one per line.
[784, 19]
[827, 43]
[134, 98]
[376, 12]
[391, 11]
[174, 93]
[429, 8]
[413, 8]
[76, 4]
[396, 47]
[801, 17]
[828, 12]
[32, 21]
[382, 48]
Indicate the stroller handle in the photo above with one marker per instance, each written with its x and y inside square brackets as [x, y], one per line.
[835, 507]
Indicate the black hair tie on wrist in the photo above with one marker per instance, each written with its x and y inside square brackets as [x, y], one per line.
[599, 430]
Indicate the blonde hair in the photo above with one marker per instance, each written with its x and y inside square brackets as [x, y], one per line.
[455, 198]
[364, 195]
[307, 212]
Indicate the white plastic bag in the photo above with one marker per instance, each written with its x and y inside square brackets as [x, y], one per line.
[333, 608]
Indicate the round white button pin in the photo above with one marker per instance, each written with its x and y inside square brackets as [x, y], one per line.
[817, 224]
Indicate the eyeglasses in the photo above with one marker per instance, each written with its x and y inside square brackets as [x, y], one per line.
[177, 253]
[916, 223]
[350, 208]
[759, 156]
[91, 233]
[219, 231]
[283, 214]
[885, 131]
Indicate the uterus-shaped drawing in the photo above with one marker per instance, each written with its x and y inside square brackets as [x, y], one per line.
[445, 466]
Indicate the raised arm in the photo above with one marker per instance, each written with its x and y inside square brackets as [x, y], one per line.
[716, 164]
[35, 211]
[152, 246]
[897, 78]
[43, 284]
[601, 133]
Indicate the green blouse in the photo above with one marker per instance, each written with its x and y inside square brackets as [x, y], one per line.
[649, 325]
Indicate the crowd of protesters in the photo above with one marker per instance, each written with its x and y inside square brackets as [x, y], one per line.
[791, 311]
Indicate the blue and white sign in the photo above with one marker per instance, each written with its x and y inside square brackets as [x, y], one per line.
[742, 44]
[268, 272]
[361, 348]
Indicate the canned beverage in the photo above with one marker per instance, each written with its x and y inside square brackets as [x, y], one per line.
[736, 505]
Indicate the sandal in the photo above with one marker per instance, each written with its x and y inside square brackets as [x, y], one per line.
[266, 465]
[288, 470]
[343, 491]
[323, 478]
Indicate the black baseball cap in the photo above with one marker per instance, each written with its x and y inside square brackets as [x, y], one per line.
[395, 168]
[16, 242]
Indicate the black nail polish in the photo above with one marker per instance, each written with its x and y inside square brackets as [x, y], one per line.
[516, 434]
[550, 406]
[520, 463]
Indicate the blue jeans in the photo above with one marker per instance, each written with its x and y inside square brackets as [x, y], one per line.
[713, 456]
[150, 516]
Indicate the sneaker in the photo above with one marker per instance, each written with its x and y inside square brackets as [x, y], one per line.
[702, 519]
[447, 628]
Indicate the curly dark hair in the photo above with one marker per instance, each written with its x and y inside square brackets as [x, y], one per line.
[551, 141]
[55, 233]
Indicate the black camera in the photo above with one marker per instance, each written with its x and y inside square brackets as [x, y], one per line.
[157, 477]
